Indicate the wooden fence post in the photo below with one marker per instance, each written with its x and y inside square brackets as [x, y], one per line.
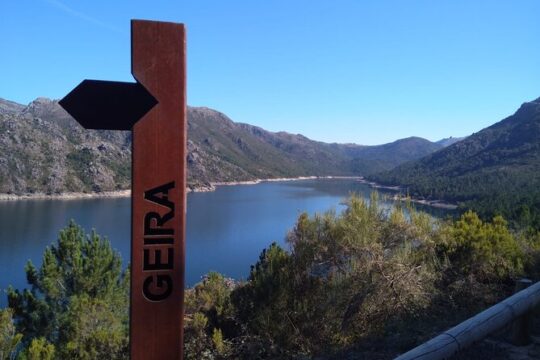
[521, 326]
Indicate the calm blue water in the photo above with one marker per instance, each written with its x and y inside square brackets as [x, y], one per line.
[226, 229]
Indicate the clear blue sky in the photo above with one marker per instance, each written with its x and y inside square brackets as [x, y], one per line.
[367, 72]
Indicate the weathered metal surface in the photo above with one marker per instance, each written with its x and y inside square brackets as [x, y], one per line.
[158, 193]
[476, 328]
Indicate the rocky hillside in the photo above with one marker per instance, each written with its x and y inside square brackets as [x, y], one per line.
[42, 149]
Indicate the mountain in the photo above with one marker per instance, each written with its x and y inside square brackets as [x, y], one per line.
[222, 150]
[371, 159]
[42, 149]
[10, 107]
[449, 140]
[496, 170]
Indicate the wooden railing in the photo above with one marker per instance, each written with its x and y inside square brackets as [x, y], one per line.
[516, 309]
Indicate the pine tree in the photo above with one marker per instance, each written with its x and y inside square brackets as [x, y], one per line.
[78, 298]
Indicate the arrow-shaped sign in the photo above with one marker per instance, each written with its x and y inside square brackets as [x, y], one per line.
[108, 105]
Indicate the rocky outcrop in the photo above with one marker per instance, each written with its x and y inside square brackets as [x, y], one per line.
[43, 150]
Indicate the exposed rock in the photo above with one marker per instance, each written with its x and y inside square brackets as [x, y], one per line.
[43, 150]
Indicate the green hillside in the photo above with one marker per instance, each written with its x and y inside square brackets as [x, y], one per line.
[222, 150]
[494, 171]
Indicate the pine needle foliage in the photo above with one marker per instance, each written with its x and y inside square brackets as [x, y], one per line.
[78, 298]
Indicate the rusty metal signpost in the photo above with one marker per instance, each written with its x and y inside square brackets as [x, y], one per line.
[154, 108]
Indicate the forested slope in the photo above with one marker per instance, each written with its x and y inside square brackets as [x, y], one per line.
[496, 170]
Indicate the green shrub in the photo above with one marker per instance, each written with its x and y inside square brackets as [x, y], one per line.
[9, 338]
[327, 292]
[219, 344]
[263, 302]
[486, 250]
[210, 318]
[39, 349]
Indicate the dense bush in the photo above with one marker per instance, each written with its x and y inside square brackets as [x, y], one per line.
[39, 349]
[486, 250]
[327, 292]
[209, 313]
[370, 274]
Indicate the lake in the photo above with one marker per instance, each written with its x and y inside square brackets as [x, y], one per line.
[226, 229]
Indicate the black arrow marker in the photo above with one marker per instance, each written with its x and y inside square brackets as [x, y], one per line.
[108, 105]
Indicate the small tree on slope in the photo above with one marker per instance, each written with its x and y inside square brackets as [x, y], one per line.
[78, 298]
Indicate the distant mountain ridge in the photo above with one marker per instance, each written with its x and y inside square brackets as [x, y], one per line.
[42, 149]
[252, 152]
[449, 140]
[10, 107]
[496, 170]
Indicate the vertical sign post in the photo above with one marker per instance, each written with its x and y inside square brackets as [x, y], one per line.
[159, 193]
[154, 108]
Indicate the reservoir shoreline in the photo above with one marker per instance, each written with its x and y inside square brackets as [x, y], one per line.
[212, 187]
[126, 193]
